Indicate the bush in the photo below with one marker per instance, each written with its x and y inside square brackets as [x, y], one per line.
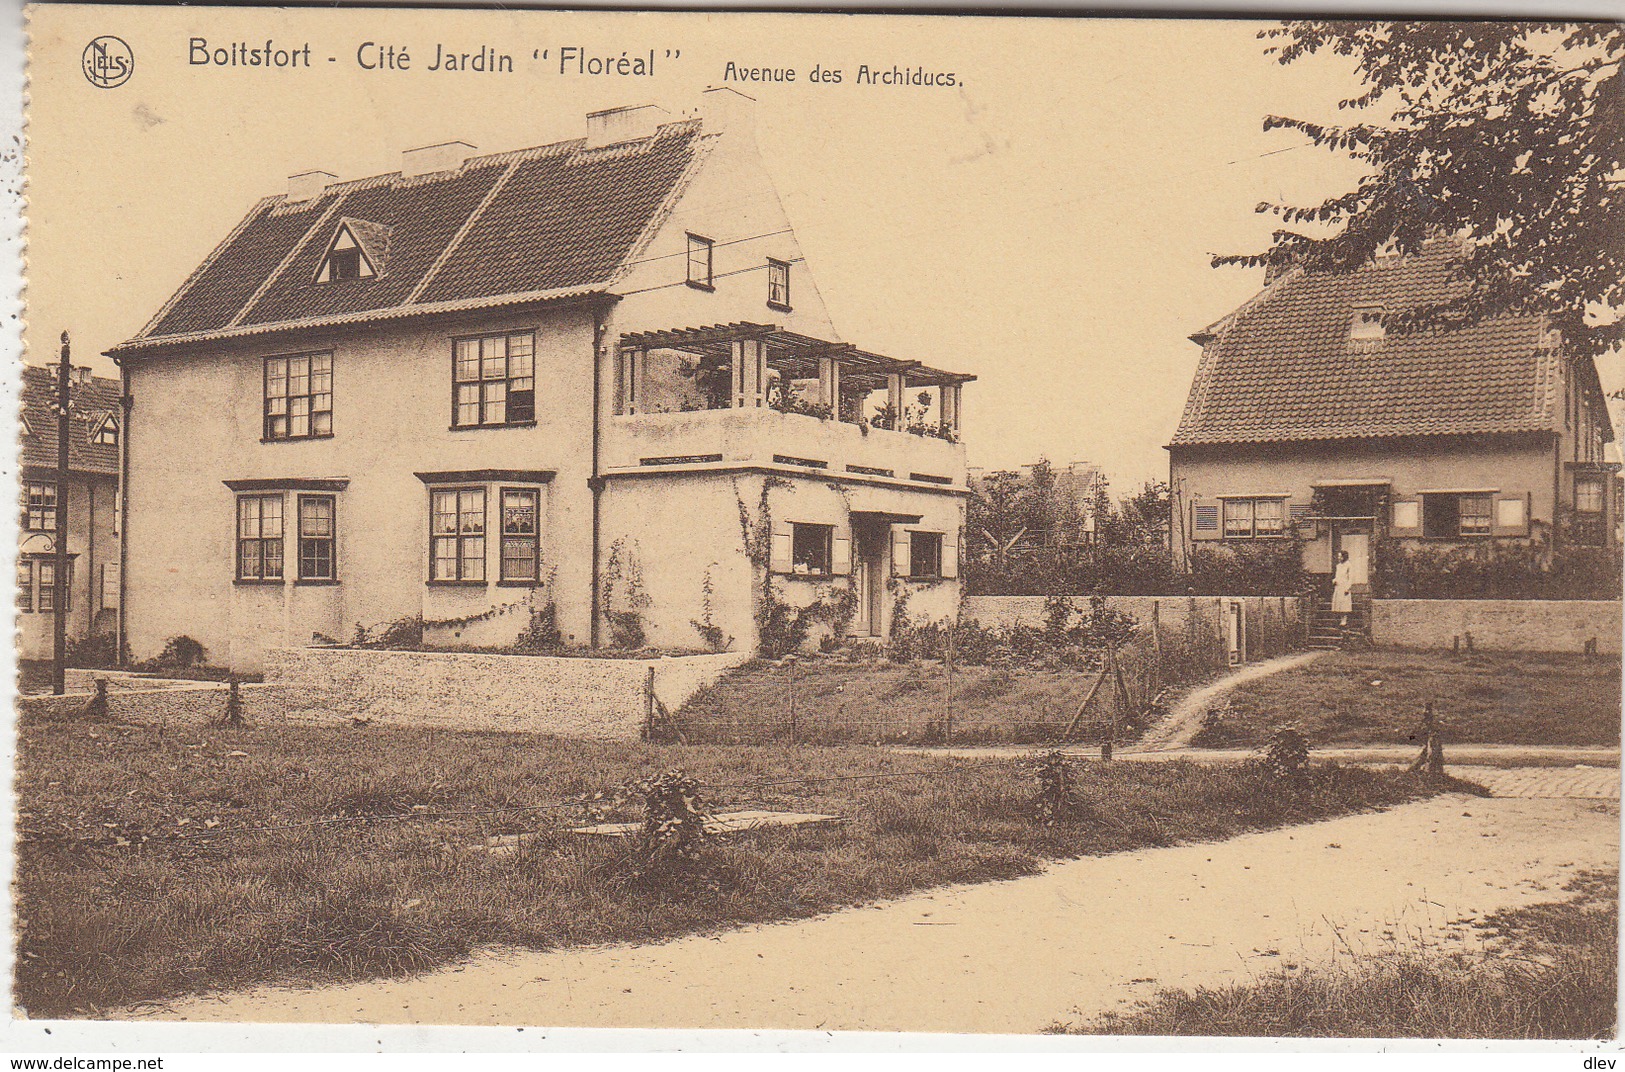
[98, 651]
[179, 653]
[1496, 570]
[1272, 568]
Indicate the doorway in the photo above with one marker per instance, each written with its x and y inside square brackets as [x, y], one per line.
[1357, 542]
[870, 542]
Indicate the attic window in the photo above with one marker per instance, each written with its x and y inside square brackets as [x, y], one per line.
[28, 429]
[105, 432]
[1366, 330]
[357, 251]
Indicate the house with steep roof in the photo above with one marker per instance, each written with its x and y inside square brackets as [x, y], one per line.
[591, 383]
[91, 496]
[1308, 416]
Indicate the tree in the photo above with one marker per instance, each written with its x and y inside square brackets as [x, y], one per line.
[1511, 134]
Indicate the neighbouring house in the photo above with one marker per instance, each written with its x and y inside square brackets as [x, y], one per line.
[91, 497]
[589, 385]
[1309, 417]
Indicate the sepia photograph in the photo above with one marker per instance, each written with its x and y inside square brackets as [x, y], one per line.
[1044, 525]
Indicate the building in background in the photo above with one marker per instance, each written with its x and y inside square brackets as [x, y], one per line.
[91, 494]
[1308, 417]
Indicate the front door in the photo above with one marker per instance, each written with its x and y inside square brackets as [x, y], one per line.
[869, 547]
[1358, 545]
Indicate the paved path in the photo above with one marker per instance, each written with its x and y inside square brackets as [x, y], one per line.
[1475, 755]
[1084, 936]
[1184, 722]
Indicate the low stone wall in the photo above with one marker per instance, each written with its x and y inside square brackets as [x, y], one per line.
[1274, 623]
[1497, 624]
[171, 704]
[570, 697]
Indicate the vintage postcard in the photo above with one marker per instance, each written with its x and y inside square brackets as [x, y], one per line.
[900, 523]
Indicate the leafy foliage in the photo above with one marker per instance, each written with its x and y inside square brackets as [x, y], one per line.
[1502, 570]
[1510, 133]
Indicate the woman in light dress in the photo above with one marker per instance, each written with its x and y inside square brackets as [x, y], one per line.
[1343, 589]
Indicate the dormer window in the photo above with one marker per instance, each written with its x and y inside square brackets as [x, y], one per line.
[358, 251]
[1366, 330]
[778, 284]
[28, 429]
[700, 272]
[105, 431]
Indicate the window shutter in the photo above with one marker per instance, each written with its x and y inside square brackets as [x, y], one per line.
[841, 556]
[109, 585]
[950, 558]
[900, 552]
[1205, 520]
[1512, 516]
[1405, 517]
[780, 559]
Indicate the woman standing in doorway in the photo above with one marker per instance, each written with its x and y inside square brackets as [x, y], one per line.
[1343, 589]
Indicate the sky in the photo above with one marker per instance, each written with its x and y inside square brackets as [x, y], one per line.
[1047, 223]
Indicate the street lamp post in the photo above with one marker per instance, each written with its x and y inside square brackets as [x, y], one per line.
[59, 656]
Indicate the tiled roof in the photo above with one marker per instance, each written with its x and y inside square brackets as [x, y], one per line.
[1283, 367]
[558, 220]
[91, 401]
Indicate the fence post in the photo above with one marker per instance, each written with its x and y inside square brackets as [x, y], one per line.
[790, 685]
[649, 704]
[1156, 645]
[948, 696]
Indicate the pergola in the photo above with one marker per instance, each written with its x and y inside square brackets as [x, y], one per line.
[751, 348]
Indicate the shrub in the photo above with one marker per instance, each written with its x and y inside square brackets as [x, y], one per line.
[179, 653]
[99, 651]
[1496, 570]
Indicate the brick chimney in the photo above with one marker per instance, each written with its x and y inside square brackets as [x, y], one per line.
[723, 109]
[615, 125]
[308, 185]
[428, 159]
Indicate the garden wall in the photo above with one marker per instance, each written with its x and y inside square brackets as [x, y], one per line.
[1497, 624]
[1274, 623]
[169, 704]
[571, 697]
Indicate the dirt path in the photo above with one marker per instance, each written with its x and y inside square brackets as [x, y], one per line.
[1184, 722]
[1016, 956]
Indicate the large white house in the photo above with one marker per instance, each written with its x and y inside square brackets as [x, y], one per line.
[593, 377]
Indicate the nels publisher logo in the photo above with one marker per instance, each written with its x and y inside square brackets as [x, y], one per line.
[108, 62]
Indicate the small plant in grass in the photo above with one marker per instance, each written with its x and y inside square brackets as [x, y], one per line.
[673, 835]
[1286, 758]
[1057, 799]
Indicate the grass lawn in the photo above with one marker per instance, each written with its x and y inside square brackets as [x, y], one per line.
[1376, 697]
[119, 899]
[1547, 971]
[870, 702]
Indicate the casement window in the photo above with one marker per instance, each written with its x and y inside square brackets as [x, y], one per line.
[1590, 504]
[1246, 519]
[457, 535]
[39, 507]
[299, 396]
[700, 262]
[1589, 494]
[812, 549]
[317, 538]
[521, 536]
[25, 585]
[925, 555]
[1451, 515]
[494, 380]
[45, 597]
[259, 537]
[778, 284]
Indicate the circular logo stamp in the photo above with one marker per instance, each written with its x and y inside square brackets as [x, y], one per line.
[108, 62]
